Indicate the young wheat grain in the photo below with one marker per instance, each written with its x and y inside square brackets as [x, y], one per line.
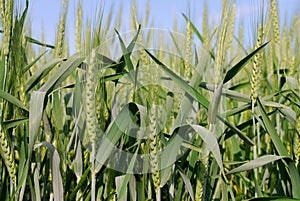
[146, 19]
[91, 115]
[293, 71]
[200, 182]
[205, 30]
[276, 30]
[90, 98]
[221, 44]
[133, 19]
[230, 31]
[87, 40]
[2, 11]
[119, 19]
[256, 68]
[284, 47]
[61, 31]
[188, 53]
[241, 41]
[8, 24]
[154, 148]
[78, 28]
[298, 144]
[7, 156]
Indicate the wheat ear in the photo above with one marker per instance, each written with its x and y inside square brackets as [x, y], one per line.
[256, 67]
[7, 156]
[91, 115]
[154, 148]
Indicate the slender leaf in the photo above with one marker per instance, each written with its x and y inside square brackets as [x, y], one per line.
[214, 105]
[62, 73]
[32, 40]
[258, 162]
[188, 185]
[272, 132]
[119, 187]
[57, 184]
[35, 116]
[8, 97]
[190, 90]
[14, 123]
[235, 69]
[26, 68]
[129, 174]
[40, 73]
[271, 198]
[193, 28]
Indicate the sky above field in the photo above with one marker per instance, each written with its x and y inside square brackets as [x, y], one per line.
[45, 14]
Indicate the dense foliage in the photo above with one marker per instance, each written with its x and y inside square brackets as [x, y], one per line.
[150, 114]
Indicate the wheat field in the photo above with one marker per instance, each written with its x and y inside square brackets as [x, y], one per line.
[150, 114]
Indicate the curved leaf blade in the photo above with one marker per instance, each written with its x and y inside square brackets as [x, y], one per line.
[258, 162]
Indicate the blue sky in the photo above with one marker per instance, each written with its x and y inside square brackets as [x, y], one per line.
[45, 13]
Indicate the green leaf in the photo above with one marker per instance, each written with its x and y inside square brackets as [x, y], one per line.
[258, 162]
[175, 43]
[235, 69]
[114, 77]
[125, 58]
[57, 185]
[227, 93]
[35, 116]
[114, 132]
[197, 96]
[127, 52]
[214, 105]
[236, 110]
[184, 85]
[295, 179]
[129, 173]
[286, 111]
[13, 100]
[14, 123]
[212, 143]
[32, 40]
[78, 160]
[169, 156]
[58, 111]
[188, 185]
[193, 28]
[26, 68]
[62, 73]
[271, 198]
[83, 179]
[119, 180]
[294, 174]
[170, 152]
[40, 73]
[272, 132]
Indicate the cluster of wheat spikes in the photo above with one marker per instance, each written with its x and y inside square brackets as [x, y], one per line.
[220, 119]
